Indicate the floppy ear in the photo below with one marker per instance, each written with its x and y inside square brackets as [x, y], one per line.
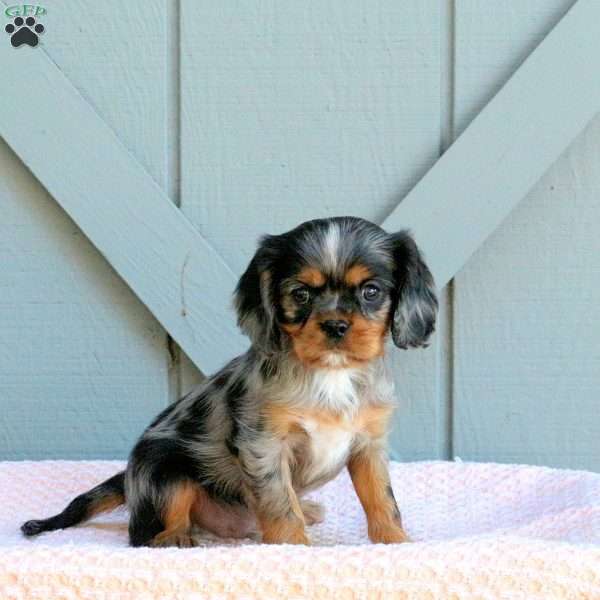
[415, 303]
[253, 299]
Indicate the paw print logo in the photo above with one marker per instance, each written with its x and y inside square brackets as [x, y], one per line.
[24, 31]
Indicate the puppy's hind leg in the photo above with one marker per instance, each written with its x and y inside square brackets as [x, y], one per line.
[164, 520]
[176, 516]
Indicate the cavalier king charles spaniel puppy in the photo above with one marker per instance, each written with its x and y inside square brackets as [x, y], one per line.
[311, 396]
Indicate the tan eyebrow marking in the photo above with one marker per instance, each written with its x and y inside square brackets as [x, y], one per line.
[357, 274]
[311, 276]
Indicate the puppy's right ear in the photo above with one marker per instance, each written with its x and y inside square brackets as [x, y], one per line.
[253, 299]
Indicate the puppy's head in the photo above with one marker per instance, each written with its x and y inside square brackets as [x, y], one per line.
[331, 290]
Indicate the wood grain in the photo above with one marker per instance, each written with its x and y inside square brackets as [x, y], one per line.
[299, 110]
[528, 302]
[82, 362]
[127, 216]
[290, 111]
[508, 146]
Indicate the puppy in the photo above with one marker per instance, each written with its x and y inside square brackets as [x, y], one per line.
[310, 397]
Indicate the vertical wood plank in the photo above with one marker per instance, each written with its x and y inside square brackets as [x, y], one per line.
[527, 304]
[496, 161]
[292, 111]
[184, 374]
[83, 364]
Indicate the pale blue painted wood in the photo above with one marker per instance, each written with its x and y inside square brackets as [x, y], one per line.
[492, 40]
[508, 146]
[127, 216]
[528, 303]
[303, 109]
[291, 111]
[298, 110]
[82, 362]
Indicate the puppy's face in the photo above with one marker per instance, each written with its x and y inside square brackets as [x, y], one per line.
[337, 314]
[331, 290]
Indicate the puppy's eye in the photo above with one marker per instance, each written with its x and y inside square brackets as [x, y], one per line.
[371, 292]
[301, 295]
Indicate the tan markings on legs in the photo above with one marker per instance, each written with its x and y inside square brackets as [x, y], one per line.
[287, 527]
[176, 516]
[370, 424]
[282, 530]
[370, 477]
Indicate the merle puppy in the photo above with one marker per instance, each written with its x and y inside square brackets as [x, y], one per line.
[310, 397]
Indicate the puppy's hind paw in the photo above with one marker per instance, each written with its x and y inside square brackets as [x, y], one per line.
[178, 539]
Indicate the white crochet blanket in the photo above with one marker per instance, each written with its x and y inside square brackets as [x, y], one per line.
[480, 531]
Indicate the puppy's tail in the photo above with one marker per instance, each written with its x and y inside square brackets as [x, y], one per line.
[105, 496]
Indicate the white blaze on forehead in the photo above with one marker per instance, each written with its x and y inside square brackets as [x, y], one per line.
[331, 246]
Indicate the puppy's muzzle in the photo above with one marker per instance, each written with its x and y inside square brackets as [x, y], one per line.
[335, 329]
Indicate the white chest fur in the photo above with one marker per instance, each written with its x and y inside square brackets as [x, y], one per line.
[327, 449]
[335, 390]
[331, 408]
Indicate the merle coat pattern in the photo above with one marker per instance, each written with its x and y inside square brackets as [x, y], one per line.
[310, 397]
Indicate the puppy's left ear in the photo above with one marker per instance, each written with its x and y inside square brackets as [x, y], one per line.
[415, 302]
[253, 298]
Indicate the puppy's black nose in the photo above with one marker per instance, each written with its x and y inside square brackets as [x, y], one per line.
[335, 329]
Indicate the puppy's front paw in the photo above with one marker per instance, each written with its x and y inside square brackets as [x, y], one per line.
[298, 538]
[284, 531]
[387, 534]
[295, 536]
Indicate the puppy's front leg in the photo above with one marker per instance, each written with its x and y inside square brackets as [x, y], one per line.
[277, 507]
[369, 473]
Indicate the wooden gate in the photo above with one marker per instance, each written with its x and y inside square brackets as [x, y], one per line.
[173, 134]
